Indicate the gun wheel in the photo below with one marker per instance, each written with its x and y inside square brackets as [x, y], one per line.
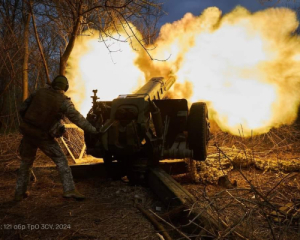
[198, 130]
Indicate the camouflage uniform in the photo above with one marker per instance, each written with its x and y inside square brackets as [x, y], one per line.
[49, 146]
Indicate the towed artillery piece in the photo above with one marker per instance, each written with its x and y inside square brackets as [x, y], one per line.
[140, 129]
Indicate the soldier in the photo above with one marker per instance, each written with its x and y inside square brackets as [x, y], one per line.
[42, 112]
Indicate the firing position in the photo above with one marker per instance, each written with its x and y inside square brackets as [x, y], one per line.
[42, 113]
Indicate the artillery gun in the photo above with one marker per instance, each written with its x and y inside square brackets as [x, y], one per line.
[140, 129]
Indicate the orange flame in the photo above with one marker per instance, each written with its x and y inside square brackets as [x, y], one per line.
[244, 65]
[105, 65]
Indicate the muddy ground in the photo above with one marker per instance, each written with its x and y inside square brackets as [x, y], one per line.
[250, 203]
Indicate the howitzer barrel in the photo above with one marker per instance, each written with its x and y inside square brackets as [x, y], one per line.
[156, 88]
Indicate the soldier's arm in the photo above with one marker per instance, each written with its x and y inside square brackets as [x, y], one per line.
[24, 106]
[75, 117]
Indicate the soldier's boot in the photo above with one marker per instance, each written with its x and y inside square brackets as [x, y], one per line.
[20, 197]
[74, 194]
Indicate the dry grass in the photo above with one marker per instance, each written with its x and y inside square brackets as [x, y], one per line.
[259, 200]
[283, 139]
[262, 206]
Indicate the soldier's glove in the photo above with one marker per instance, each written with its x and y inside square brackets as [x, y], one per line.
[62, 129]
[57, 130]
[98, 135]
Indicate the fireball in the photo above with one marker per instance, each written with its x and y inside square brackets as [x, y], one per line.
[244, 65]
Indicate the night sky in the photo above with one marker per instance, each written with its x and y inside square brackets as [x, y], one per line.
[177, 8]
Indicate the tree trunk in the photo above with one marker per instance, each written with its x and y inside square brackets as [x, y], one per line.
[40, 47]
[26, 56]
[64, 58]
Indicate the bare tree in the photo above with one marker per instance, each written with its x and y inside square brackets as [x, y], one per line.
[39, 45]
[27, 19]
[11, 61]
[71, 18]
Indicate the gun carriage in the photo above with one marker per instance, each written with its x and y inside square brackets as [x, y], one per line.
[140, 129]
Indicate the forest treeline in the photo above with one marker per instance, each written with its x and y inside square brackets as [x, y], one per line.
[37, 38]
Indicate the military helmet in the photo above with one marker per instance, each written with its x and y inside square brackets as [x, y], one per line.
[60, 82]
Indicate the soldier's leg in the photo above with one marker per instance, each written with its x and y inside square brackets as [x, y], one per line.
[27, 152]
[52, 149]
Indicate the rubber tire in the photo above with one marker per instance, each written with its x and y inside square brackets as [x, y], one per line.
[198, 130]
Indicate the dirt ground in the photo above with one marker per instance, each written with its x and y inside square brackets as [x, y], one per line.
[109, 211]
[254, 204]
